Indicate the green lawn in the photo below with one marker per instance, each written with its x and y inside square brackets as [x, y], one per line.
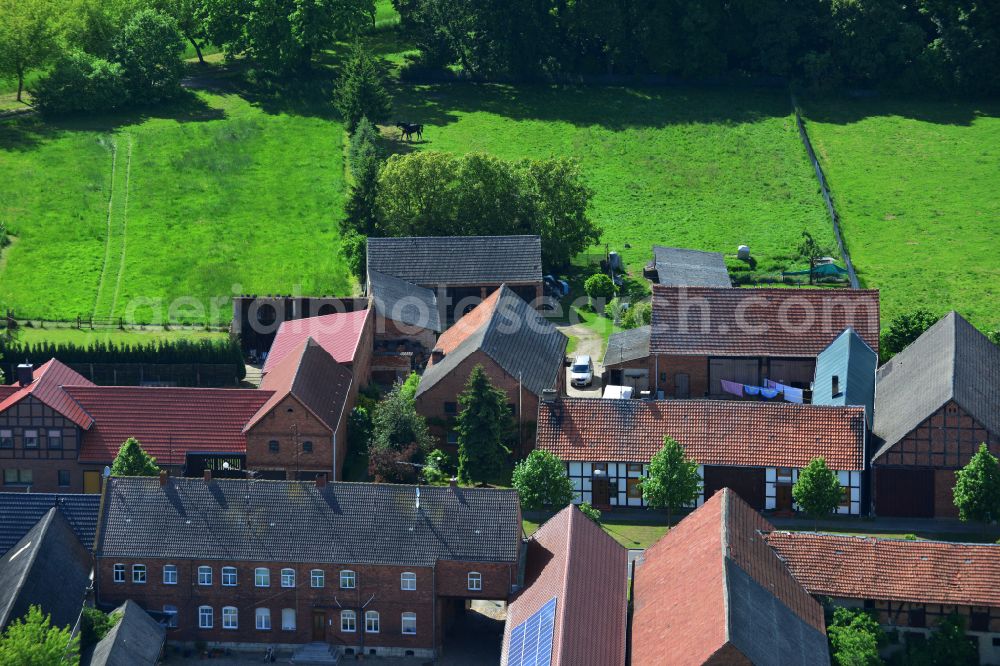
[916, 186]
[213, 196]
[629, 534]
[706, 169]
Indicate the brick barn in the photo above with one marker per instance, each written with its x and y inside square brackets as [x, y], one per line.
[626, 360]
[521, 352]
[263, 563]
[701, 335]
[909, 585]
[755, 448]
[937, 400]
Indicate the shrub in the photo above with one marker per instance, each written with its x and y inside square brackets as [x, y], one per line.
[640, 314]
[392, 466]
[80, 83]
[541, 481]
[438, 467]
[614, 310]
[592, 513]
[599, 287]
[94, 625]
[817, 490]
[902, 330]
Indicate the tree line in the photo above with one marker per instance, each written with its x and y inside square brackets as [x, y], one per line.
[945, 45]
[161, 351]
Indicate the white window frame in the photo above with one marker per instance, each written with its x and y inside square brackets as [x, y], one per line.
[285, 614]
[262, 574]
[139, 572]
[262, 619]
[203, 613]
[408, 581]
[372, 620]
[317, 578]
[204, 575]
[229, 573]
[230, 617]
[118, 573]
[409, 618]
[350, 576]
[52, 435]
[169, 574]
[475, 581]
[348, 621]
[30, 433]
[287, 577]
[171, 613]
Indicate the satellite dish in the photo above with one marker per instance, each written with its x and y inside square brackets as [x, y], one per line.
[225, 465]
[107, 471]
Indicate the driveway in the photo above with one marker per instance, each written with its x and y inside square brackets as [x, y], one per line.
[587, 343]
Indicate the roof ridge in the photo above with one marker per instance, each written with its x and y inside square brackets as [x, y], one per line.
[724, 543]
[43, 527]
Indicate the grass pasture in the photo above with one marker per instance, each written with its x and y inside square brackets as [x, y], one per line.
[125, 214]
[915, 184]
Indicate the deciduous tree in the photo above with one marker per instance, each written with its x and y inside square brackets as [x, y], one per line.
[33, 641]
[483, 424]
[28, 37]
[600, 288]
[817, 490]
[673, 480]
[396, 423]
[132, 460]
[977, 487]
[149, 48]
[541, 481]
[855, 637]
[902, 330]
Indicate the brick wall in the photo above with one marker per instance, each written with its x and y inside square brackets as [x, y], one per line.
[278, 426]
[389, 330]
[663, 370]
[45, 460]
[453, 579]
[361, 365]
[946, 439]
[944, 499]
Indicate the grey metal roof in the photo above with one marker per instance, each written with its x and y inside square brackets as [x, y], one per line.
[765, 630]
[48, 567]
[429, 261]
[296, 521]
[950, 361]
[404, 301]
[853, 362]
[627, 345]
[19, 512]
[521, 341]
[680, 267]
[137, 640]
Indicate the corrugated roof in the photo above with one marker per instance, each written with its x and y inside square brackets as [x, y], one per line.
[430, 261]
[952, 360]
[338, 333]
[47, 387]
[799, 323]
[403, 301]
[712, 432]
[48, 567]
[136, 640]
[296, 521]
[168, 422]
[572, 559]
[629, 345]
[19, 512]
[712, 584]
[314, 378]
[853, 362]
[680, 267]
[923, 572]
[509, 331]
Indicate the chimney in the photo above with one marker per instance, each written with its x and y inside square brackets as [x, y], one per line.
[437, 354]
[163, 478]
[25, 373]
[453, 482]
[835, 385]
[549, 395]
[321, 480]
[208, 476]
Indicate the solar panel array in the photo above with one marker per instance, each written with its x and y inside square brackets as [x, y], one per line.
[531, 641]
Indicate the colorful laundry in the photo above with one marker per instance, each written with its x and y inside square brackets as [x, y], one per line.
[793, 394]
[734, 388]
[769, 393]
[751, 390]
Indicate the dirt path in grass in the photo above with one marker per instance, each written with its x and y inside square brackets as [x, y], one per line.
[109, 286]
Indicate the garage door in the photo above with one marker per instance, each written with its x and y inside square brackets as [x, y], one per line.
[748, 482]
[637, 379]
[906, 493]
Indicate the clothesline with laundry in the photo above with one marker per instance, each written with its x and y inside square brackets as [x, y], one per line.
[769, 391]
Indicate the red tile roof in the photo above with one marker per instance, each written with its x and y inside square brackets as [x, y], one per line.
[460, 331]
[685, 592]
[927, 572]
[168, 422]
[47, 386]
[314, 378]
[339, 334]
[712, 432]
[7, 390]
[575, 561]
[707, 321]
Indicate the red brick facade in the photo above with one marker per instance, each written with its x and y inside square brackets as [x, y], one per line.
[294, 430]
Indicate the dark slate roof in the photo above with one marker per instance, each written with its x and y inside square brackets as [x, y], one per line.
[19, 512]
[50, 568]
[137, 640]
[627, 346]
[403, 301]
[296, 521]
[950, 361]
[521, 341]
[853, 362]
[679, 267]
[429, 261]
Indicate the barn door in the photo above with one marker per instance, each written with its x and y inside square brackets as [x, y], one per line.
[905, 493]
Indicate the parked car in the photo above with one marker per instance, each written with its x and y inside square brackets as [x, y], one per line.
[581, 373]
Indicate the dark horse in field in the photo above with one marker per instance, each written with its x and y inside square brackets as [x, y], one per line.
[407, 130]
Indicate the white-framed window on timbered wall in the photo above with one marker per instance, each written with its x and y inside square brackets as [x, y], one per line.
[623, 481]
[779, 480]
